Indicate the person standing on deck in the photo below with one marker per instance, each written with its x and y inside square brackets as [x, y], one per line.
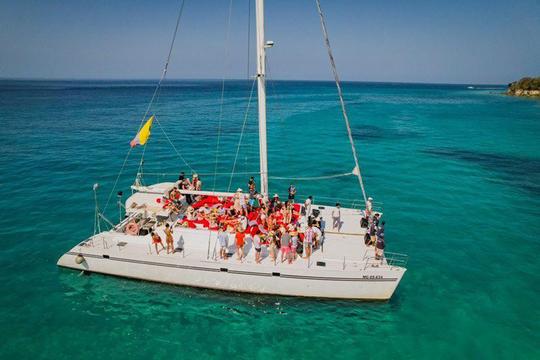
[307, 206]
[252, 186]
[308, 240]
[375, 220]
[372, 233]
[196, 183]
[369, 207]
[240, 239]
[292, 192]
[317, 236]
[156, 239]
[285, 244]
[169, 238]
[379, 246]
[257, 246]
[294, 241]
[181, 177]
[223, 239]
[336, 217]
[272, 246]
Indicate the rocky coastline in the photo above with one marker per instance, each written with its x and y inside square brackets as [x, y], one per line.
[527, 86]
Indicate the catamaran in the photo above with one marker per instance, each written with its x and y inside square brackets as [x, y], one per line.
[344, 265]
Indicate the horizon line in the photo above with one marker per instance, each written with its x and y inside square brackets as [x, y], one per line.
[241, 79]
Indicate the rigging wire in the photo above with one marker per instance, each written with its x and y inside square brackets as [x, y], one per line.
[340, 94]
[156, 91]
[227, 36]
[309, 178]
[305, 178]
[242, 133]
[174, 147]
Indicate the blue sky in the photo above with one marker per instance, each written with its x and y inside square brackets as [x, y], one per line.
[403, 41]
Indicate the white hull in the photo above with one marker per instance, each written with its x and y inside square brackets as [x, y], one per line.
[343, 268]
[370, 284]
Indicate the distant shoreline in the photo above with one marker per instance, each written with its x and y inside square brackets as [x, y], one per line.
[527, 87]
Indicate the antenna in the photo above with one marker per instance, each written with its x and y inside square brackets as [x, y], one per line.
[119, 202]
[97, 226]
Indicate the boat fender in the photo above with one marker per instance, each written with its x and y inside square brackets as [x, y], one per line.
[79, 259]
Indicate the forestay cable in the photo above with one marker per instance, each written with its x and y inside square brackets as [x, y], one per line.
[340, 94]
[223, 91]
[241, 133]
[156, 91]
[155, 95]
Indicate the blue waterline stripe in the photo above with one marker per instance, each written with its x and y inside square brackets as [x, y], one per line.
[238, 272]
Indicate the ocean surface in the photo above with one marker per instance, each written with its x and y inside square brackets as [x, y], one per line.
[457, 171]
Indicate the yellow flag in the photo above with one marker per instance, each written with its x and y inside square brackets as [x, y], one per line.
[142, 136]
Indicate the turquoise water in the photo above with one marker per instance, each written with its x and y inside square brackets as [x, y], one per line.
[458, 171]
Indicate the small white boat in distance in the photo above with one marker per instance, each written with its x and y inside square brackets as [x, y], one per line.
[341, 265]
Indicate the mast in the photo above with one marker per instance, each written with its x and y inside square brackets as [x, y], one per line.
[261, 93]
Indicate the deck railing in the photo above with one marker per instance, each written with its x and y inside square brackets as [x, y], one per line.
[357, 204]
[389, 258]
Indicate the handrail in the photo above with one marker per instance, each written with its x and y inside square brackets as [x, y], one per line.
[389, 258]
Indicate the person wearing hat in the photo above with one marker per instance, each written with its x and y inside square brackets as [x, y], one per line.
[196, 183]
[238, 200]
[369, 207]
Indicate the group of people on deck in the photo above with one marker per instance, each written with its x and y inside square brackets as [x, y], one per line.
[375, 230]
[251, 217]
[255, 219]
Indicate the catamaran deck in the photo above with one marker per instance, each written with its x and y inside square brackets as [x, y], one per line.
[342, 267]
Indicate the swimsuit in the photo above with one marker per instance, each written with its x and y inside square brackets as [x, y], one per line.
[240, 239]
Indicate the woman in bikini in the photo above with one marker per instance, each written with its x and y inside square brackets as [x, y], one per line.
[169, 238]
[156, 239]
[272, 246]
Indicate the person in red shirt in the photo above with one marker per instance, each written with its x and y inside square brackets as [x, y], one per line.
[240, 239]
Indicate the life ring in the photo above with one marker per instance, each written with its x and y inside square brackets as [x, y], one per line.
[132, 228]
